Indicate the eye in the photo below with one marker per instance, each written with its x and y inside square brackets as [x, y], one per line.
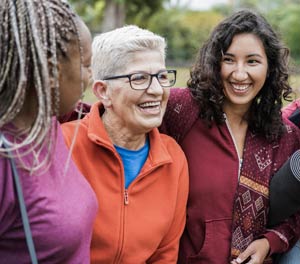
[163, 76]
[139, 77]
[253, 61]
[227, 59]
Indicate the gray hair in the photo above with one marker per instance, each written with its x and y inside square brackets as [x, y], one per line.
[34, 35]
[112, 50]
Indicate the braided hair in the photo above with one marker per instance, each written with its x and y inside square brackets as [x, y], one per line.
[34, 36]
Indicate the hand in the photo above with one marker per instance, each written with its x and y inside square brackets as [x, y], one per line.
[257, 251]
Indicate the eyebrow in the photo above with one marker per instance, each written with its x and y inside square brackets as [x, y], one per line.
[249, 55]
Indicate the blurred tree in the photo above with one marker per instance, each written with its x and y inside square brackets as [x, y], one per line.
[286, 20]
[91, 11]
[185, 31]
[104, 15]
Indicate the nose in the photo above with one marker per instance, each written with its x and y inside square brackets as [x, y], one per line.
[155, 87]
[240, 72]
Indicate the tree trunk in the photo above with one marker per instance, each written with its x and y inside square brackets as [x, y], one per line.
[114, 15]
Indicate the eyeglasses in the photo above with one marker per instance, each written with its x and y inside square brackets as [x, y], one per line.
[143, 80]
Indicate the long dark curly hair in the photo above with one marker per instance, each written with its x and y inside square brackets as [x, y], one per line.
[205, 83]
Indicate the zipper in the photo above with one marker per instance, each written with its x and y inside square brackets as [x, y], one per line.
[126, 197]
[239, 173]
[126, 202]
[236, 149]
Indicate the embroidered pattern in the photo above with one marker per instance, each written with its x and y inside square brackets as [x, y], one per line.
[254, 186]
[177, 108]
[262, 159]
[251, 205]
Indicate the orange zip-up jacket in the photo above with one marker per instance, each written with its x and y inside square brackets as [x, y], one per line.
[141, 224]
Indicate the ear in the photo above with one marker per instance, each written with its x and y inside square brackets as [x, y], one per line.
[101, 91]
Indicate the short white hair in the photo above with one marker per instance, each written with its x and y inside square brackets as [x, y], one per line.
[112, 50]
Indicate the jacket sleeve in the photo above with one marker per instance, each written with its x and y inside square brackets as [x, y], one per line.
[181, 113]
[167, 252]
[285, 235]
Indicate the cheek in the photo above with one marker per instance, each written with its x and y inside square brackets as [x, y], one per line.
[262, 75]
[224, 72]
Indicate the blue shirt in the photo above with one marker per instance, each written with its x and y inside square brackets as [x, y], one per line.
[133, 161]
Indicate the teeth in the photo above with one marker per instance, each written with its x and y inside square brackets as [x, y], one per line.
[240, 87]
[149, 104]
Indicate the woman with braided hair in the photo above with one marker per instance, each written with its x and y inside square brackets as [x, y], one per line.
[44, 67]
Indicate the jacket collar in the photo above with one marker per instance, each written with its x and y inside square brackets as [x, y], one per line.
[158, 153]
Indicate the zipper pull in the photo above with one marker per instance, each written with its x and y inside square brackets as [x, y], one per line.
[126, 198]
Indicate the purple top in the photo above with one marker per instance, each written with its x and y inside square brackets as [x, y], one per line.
[61, 211]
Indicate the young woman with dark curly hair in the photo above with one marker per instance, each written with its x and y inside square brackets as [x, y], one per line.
[229, 124]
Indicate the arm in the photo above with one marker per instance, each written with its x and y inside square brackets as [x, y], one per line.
[181, 113]
[278, 240]
[167, 252]
[284, 235]
[284, 218]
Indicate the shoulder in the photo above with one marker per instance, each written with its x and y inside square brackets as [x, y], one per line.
[291, 136]
[69, 129]
[181, 113]
[180, 97]
[173, 148]
[290, 127]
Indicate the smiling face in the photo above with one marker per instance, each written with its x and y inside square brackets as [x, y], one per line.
[244, 69]
[137, 111]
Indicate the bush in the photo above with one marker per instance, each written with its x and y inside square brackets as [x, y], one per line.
[185, 31]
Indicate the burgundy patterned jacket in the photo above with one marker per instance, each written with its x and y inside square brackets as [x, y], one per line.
[228, 204]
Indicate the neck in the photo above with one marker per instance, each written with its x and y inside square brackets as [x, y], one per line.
[236, 115]
[25, 118]
[28, 112]
[121, 136]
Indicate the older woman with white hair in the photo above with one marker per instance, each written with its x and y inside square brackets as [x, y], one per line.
[139, 175]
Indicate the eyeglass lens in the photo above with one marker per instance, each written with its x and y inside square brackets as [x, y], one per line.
[142, 80]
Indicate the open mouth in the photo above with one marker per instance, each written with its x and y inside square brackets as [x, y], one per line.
[240, 88]
[150, 107]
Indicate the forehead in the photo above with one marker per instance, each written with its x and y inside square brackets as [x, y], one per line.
[246, 43]
[148, 60]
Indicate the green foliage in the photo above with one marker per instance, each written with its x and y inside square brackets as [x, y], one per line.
[286, 20]
[139, 12]
[91, 12]
[185, 31]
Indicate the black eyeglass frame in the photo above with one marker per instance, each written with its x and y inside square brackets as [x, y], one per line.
[151, 75]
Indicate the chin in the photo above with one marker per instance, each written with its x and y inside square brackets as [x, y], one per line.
[154, 124]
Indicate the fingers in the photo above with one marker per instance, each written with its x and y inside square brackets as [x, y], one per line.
[244, 256]
[256, 252]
